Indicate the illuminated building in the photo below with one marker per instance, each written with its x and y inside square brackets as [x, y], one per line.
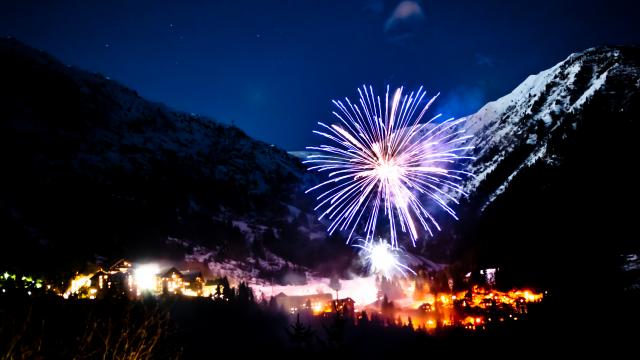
[173, 281]
[344, 306]
[315, 303]
[122, 266]
[426, 307]
[192, 283]
[99, 280]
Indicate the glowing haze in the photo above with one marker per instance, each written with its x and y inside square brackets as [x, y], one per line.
[381, 160]
[145, 277]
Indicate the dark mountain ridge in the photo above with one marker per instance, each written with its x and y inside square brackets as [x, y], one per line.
[91, 168]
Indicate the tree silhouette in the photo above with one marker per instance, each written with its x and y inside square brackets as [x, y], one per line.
[300, 334]
[363, 320]
[228, 293]
[334, 284]
[245, 293]
[386, 306]
[273, 304]
[336, 331]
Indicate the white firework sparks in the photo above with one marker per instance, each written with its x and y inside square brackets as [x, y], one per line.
[381, 258]
[381, 157]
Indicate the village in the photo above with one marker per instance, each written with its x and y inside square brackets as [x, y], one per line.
[475, 308]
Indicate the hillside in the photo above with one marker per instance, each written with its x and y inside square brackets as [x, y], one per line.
[93, 170]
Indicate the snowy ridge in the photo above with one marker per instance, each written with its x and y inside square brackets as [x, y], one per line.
[246, 270]
[527, 118]
[530, 161]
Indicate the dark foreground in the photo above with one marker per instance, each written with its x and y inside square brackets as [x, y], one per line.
[49, 327]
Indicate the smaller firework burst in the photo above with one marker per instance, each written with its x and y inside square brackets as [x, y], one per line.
[382, 258]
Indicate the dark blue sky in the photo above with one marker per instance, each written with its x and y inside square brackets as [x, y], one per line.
[272, 67]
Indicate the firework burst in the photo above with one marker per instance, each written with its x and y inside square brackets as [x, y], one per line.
[382, 158]
[381, 258]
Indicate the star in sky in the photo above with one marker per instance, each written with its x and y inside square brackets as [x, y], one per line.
[302, 54]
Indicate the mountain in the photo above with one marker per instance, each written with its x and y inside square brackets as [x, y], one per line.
[548, 109]
[91, 169]
[554, 192]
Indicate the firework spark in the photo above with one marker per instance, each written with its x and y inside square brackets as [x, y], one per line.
[381, 157]
[381, 258]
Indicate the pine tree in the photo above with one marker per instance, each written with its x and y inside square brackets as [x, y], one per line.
[228, 293]
[219, 293]
[299, 334]
[273, 304]
[245, 293]
[336, 331]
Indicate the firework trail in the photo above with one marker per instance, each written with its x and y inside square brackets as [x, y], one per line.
[382, 258]
[381, 157]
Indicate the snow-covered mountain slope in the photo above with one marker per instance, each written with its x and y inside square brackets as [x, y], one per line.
[90, 167]
[524, 127]
[554, 192]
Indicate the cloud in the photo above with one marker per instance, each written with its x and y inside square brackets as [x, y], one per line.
[461, 101]
[484, 60]
[405, 21]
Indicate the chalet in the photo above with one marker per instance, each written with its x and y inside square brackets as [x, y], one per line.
[174, 281]
[344, 306]
[171, 281]
[99, 280]
[315, 303]
[122, 266]
[192, 283]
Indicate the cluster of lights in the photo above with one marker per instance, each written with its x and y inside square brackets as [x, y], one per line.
[137, 280]
[23, 282]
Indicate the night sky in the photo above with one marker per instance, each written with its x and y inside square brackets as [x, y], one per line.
[272, 67]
